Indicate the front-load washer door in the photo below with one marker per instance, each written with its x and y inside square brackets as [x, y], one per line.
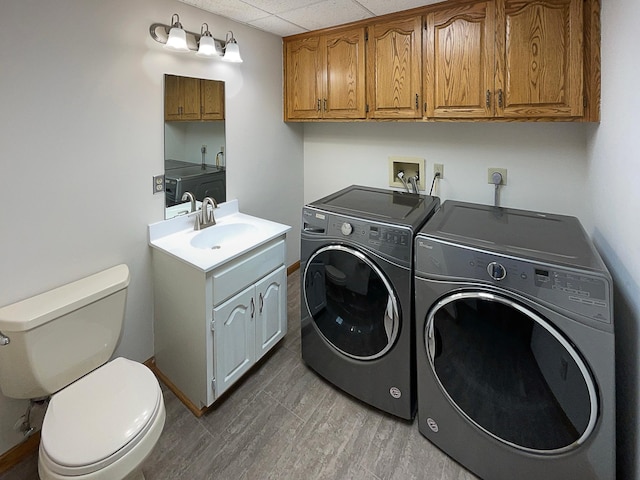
[510, 372]
[351, 302]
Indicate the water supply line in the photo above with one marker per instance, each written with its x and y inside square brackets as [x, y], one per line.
[414, 183]
[203, 150]
[496, 179]
[404, 182]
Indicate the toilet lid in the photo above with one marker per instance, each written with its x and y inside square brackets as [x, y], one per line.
[100, 414]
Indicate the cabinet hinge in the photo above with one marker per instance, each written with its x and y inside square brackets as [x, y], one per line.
[213, 325]
[366, 108]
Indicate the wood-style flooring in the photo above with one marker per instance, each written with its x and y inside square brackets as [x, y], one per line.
[284, 422]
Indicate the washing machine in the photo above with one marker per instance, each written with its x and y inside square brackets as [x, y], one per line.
[357, 326]
[515, 344]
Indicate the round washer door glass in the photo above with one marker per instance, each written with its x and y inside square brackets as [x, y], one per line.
[351, 302]
[510, 372]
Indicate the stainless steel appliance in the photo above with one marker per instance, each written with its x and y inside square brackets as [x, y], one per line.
[515, 344]
[181, 177]
[357, 278]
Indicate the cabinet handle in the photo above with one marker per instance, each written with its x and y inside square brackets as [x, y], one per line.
[500, 98]
[319, 105]
[253, 308]
[488, 99]
[417, 101]
[325, 104]
[261, 302]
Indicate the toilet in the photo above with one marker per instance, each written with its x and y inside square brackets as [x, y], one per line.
[104, 416]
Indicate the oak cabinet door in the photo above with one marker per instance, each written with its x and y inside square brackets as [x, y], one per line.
[212, 99]
[344, 93]
[459, 61]
[303, 63]
[540, 60]
[394, 66]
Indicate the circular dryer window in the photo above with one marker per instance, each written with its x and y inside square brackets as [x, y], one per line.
[351, 302]
[510, 372]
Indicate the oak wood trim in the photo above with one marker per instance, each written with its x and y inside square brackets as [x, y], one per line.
[12, 457]
[293, 267]
[592, 72]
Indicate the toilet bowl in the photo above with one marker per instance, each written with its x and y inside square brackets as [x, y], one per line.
[104, 417]
[103, 426]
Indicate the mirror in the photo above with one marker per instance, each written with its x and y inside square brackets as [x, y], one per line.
[194, 142]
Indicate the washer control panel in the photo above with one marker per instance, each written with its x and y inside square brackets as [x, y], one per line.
[583, 292]
[389, 240]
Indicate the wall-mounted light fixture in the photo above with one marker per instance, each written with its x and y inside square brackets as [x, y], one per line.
[177, 39]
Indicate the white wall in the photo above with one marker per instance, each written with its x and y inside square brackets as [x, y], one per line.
[82, 134]
[614, 189]
[546, 162]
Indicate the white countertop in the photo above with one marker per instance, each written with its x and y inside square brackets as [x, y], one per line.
[176, 236]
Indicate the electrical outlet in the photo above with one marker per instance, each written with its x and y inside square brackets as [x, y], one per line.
[501, 171]
[221, 150]
[438, 168]
[158, 183]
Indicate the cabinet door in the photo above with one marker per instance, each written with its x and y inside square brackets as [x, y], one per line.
[212, 95]
[303, 62]
[190, 89]
[234, 338]
[394, 68]
[271, 319]
[540, 58]
[459, 61]
[343, 79]
[172, 98]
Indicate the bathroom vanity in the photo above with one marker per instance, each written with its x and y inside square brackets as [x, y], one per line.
[220, 300]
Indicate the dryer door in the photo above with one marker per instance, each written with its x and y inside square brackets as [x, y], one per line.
[352, 303]
[510, 372]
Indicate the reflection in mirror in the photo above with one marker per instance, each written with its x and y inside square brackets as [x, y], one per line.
[194, 142]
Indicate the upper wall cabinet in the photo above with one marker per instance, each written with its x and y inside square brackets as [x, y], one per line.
[188, 98]
[480, 60]
[394, 66]
[540, 55]
[459, 67]
[325, 76]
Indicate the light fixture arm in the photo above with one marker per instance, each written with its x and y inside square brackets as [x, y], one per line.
[160, 33]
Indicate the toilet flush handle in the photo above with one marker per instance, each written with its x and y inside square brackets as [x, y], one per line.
[4, 340]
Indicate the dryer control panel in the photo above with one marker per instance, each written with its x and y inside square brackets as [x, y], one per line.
[389, 240]
[583, 292]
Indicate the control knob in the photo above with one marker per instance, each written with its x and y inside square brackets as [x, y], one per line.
[346, 228]
[496, 271]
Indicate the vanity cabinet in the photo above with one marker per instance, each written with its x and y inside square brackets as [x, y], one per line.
[325, 76]
[394, 68]
[211, 327]
[247, 326]
[187, 98]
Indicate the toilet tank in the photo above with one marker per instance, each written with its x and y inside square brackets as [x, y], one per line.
[58, 336]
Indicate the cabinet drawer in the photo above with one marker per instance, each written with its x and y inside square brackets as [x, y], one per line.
[246, 269]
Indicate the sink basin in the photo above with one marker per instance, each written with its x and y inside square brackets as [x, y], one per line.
[220, 235]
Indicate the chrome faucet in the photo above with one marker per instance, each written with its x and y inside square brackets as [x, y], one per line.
[206, 219]
[189, 196]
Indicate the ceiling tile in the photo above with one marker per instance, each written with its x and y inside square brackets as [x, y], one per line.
[382, 7]
[279, 6]
[274, 24]
[235, 10]
[326, 14]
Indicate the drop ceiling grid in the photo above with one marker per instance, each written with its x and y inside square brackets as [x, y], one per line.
[288, 17]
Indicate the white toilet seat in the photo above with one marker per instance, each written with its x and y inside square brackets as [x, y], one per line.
[109, 419]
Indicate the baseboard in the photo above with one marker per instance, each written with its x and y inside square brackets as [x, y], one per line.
[293, 268]
[11, 458]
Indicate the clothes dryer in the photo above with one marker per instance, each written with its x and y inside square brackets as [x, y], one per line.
[357, 288]
[515, 344]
